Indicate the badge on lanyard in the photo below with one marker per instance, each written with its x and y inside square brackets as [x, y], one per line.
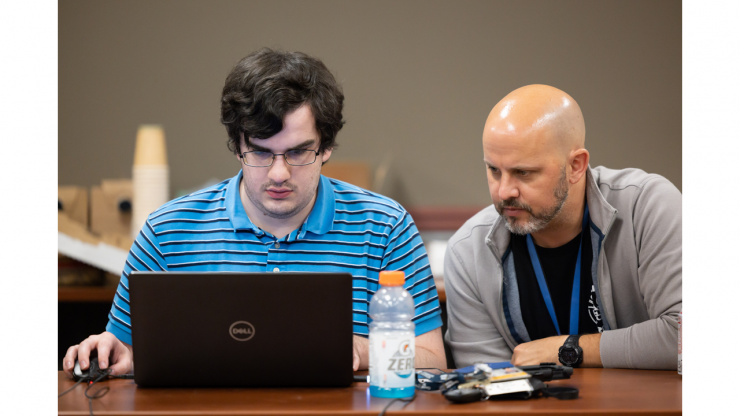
[575, 296]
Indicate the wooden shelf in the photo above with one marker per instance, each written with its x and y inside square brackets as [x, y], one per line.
[86, 293]
[449, 218]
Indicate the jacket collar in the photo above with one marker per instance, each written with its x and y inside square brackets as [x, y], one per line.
[601, 212]
[319, 221]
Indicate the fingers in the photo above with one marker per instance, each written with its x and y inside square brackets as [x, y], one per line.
[516, 360]
[121, 358]
[355, 356]
[111, 352]
[122, 364]
[84, 350]
[516, 357]
[106, 344]
[68, 362]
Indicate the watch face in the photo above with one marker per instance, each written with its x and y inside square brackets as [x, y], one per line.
[569, 355]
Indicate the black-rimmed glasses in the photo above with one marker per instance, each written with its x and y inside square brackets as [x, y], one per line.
[296, 157]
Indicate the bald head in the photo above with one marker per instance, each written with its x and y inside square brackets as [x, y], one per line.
[536, 163]
[538, 115]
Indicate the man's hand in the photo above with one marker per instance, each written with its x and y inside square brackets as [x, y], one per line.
[111, 351]
[360, 353]
[545, 350]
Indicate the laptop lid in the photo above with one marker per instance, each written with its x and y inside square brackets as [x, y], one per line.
[241, 329]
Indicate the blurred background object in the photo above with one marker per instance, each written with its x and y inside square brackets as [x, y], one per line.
[103, 242]
[151, 175]
[356, 173]
[111, 204]
[75, 273]
[73, 203]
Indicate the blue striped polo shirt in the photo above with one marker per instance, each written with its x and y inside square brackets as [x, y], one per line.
[348, 230]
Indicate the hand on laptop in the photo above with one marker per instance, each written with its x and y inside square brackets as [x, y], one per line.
[360, 353]
[108, 347]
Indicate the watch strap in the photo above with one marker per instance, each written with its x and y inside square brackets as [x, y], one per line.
[572, 340]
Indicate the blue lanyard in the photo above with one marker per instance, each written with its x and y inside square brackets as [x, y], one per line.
[575, 296]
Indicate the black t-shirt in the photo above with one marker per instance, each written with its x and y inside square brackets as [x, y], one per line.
[559, 266]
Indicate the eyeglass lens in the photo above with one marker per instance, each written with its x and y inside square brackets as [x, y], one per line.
[293, 157]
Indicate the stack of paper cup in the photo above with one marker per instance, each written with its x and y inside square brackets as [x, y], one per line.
[151, 175]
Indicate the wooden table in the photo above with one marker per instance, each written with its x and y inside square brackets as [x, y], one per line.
[602, 392]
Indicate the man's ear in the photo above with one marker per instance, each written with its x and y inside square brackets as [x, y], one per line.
[578, 164]
[240, 146]
[325, 155]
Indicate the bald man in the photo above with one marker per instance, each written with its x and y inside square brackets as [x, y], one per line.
[570, 264]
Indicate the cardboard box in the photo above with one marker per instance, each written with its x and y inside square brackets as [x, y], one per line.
[73, 203]
[356, 173]
[111, 207]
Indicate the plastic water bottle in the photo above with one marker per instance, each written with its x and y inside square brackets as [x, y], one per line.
[392, 336]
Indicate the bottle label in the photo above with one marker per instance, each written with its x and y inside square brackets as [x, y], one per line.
[392, 359]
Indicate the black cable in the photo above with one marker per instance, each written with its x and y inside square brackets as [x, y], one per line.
[71, 388]
[409, 400]
[100, 393]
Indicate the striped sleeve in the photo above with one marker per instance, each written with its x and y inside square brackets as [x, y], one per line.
[145, 255]
[406, 252]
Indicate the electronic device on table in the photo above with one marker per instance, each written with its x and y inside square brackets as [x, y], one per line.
[211, 329]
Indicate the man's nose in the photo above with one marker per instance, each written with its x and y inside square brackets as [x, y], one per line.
[507, 188]
[280, 170]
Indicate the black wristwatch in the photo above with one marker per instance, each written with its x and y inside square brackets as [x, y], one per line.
[570, 354]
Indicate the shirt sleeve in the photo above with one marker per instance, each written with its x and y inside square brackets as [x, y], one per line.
[145, 255]
[471, 334]
[653, 344]
[405, 252]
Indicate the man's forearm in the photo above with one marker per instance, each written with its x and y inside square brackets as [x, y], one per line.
[591, 350]
[425, 357]
[545, 350]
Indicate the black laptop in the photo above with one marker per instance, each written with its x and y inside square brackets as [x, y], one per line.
[241, 329]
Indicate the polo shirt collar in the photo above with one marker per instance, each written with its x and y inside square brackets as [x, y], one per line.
[321, 218]
[235, 208]
[319, 221]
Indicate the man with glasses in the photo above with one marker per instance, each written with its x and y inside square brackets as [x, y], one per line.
[282, 112]
[570, 263]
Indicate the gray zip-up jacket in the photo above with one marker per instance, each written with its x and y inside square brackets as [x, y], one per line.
[636, 241]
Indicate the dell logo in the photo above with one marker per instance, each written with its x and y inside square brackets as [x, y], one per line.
[241, 331]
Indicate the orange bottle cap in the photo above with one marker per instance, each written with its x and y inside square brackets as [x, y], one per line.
[394, 278]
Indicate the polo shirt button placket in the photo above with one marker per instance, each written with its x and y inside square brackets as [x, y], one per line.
[277, 244]
[276, 270]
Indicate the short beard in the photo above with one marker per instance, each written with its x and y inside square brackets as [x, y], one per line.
[536, 222]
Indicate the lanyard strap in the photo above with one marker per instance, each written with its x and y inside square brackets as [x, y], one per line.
[575, 296]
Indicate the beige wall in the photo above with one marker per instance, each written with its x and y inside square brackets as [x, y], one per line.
[419, 79]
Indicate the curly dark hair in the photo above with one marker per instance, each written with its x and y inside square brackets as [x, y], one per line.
[268, 84]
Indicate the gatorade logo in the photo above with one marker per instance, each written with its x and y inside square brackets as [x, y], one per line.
[241, 331]
[405, 348]
[402, 362]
